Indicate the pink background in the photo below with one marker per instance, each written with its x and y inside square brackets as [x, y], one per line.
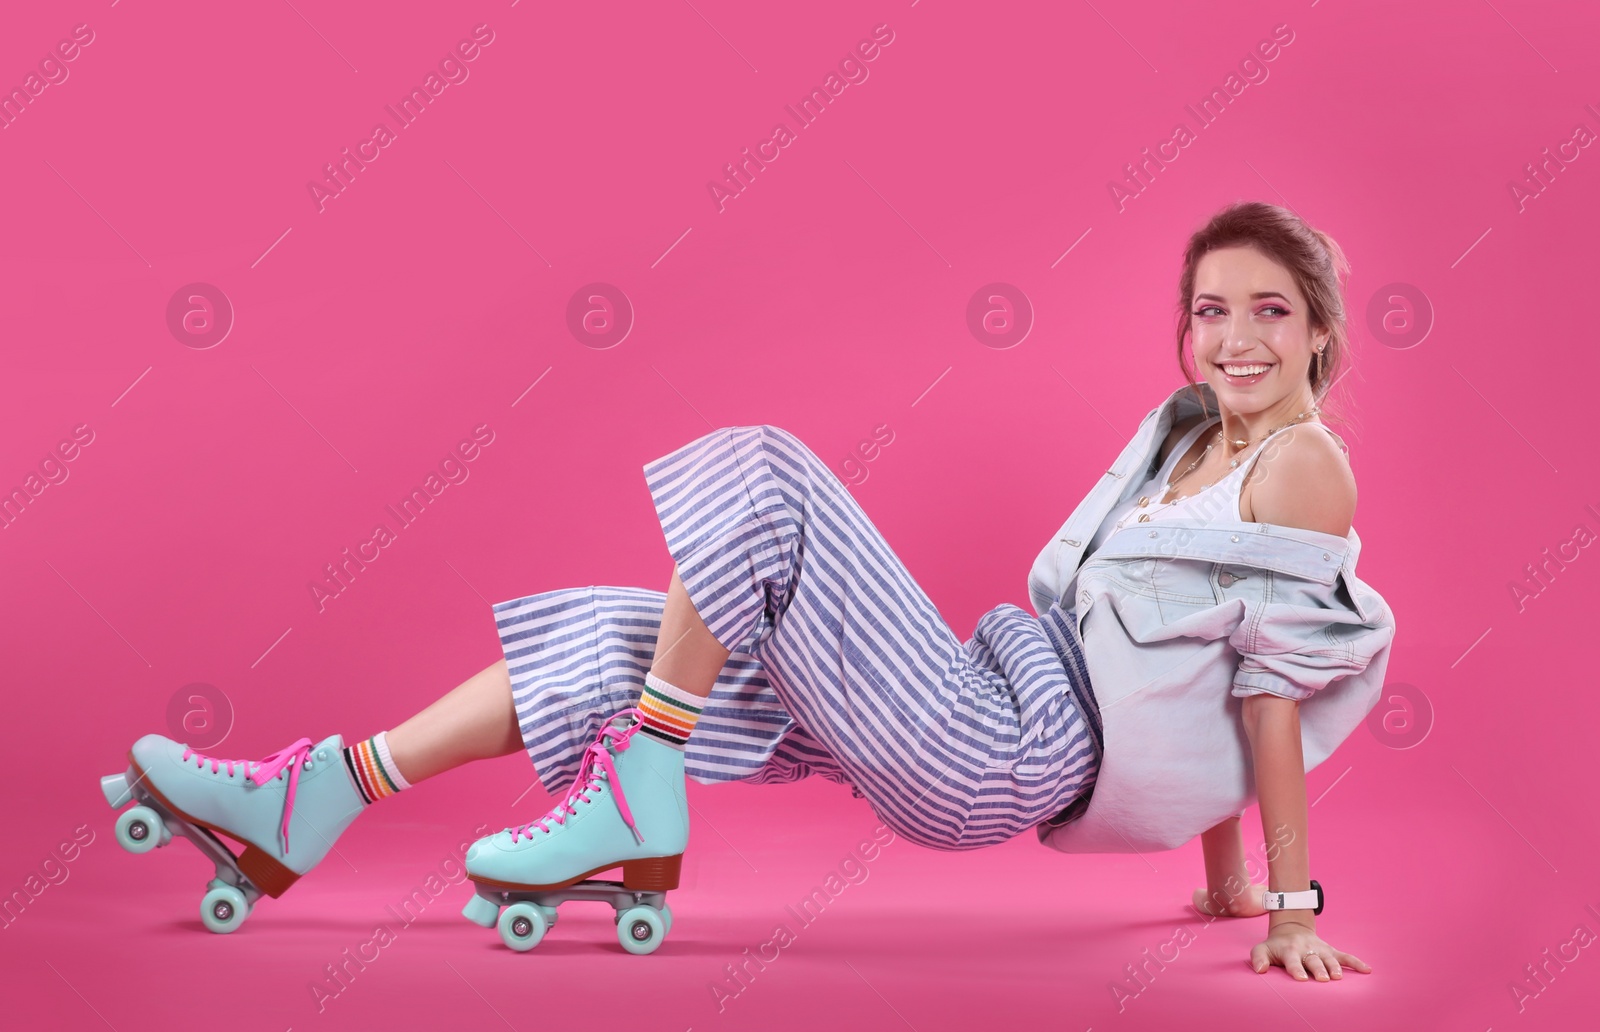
[1456, 839]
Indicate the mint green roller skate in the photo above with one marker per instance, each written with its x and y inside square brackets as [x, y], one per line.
[286, 810]
[627, 808]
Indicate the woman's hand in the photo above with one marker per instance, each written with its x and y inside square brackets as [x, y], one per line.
[1298, 950]
[1217, 903]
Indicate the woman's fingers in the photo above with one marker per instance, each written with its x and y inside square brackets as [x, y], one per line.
[1322, 963]
[1312, 964]
[1353, 960]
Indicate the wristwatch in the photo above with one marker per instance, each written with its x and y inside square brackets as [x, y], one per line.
[1307, 899]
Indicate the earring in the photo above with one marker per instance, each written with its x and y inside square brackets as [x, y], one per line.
[1319, 361]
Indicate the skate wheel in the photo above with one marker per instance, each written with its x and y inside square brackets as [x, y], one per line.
[666, 918]
[640, 929]
[522, 925]
[223, 909]
[139, 829]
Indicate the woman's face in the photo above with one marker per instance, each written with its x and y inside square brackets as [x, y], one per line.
[1248, 314]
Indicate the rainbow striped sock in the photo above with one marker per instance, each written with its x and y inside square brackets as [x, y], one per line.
[670, 713]
[373, 769]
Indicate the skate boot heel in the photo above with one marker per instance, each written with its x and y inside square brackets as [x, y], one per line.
[652, 874]
[266, 873]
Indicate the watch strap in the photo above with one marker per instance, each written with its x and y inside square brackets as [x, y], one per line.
[1306, 899]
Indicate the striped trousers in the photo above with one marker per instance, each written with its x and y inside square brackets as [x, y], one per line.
[839, 665]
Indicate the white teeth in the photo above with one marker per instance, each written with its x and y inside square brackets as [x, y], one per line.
[1251, 370]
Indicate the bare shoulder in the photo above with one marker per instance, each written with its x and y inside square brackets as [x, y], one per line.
[1303, 479]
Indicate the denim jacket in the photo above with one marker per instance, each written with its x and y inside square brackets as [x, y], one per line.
[1180, 621]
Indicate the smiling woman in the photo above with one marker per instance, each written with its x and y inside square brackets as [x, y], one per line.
[1199, 661]
[1211, 578]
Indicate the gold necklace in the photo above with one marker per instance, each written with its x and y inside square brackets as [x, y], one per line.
[1232, 464]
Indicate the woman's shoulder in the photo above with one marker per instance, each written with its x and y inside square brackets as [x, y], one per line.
[1303, 479]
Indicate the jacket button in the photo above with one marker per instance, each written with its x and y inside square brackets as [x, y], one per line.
[1325, 555]
[1233, 537]
[1152, 533]
[1225, 578]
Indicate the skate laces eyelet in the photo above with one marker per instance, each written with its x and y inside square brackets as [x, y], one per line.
[282, 765]
[595, 768]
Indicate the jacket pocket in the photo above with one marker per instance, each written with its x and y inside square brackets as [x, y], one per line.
[1177, 586]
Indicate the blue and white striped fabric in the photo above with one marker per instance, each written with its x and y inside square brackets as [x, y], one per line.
[840, 665]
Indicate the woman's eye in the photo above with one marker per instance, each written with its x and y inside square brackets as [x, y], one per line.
[1208, 309]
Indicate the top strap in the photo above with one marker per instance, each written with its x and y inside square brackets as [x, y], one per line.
[1249, 463]
[1345, 448]
[1179, 450]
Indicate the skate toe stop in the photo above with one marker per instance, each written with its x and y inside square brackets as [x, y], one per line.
[480, 912]
[115, 789]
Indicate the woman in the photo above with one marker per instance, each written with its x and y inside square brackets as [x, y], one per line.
[791, 641]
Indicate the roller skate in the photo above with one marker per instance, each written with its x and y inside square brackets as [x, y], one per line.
[627, 808]
[286, 810]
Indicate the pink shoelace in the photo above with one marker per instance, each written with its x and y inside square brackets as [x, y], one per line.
[595, 759]
[292, 756]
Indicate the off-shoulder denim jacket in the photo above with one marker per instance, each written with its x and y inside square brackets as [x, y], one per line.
[1179, 621]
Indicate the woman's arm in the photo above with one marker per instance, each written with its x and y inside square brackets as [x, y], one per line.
[1272, 724]
[1306, 482]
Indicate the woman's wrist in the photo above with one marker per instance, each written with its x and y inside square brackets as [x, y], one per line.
[1301, 916]
[1304, 918]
